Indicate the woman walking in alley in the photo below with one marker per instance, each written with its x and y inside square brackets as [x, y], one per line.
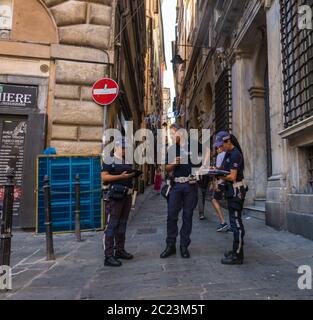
[235, 193]
[158, 180]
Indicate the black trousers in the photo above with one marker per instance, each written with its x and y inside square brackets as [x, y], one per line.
[116, 217]
[235, 208]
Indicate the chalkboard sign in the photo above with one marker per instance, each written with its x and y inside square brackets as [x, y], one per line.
[12, 141]
[18, 96]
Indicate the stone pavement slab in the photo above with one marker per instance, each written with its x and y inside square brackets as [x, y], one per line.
[269, 272]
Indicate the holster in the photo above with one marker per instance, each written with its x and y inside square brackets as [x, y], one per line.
[117, 192]
[166, 189]
[231, 192]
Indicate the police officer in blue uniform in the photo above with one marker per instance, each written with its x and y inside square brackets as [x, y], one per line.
[235, 194]
[182, 196]
[118, 176]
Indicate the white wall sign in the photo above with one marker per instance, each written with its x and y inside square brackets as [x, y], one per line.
[6, 13]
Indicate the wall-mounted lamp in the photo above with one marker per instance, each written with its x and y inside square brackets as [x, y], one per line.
[178, 60]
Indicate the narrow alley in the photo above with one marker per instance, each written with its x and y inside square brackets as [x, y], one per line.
[269, 272]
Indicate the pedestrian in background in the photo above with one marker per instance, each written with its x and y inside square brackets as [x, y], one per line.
[118, 178]
[219, 187]
[158, 180]
[203, 187]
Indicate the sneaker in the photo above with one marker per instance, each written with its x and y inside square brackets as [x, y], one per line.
[222, 227]
[201, 216]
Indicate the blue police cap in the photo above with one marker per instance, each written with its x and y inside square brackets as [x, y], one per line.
[218, 143]
[220, 138]
[223, 135]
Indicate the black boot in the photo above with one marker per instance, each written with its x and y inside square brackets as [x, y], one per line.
[184, 252]
[231, 252]
[112, 262]
[228, 253]
[233, 259]
[169, 251]
[123, 255]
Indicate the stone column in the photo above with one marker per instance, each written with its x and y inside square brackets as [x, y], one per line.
[257, 96]
[242, 115]
[276, 191]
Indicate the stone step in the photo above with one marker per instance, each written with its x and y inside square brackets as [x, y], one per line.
[255, 211]
[260, 200]
[260, 203]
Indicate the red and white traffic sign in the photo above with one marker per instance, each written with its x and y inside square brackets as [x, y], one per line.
[105, 91]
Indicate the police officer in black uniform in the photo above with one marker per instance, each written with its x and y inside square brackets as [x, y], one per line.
[235, 194]
[118, 176]
[183, 195]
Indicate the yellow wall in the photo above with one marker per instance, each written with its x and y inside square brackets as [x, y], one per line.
[31, 22]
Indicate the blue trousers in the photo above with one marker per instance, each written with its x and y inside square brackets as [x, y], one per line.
[183, 196]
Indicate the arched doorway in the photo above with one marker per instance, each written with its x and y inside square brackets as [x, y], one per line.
[42, 29]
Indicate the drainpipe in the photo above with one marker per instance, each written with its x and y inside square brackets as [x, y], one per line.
[123, 16]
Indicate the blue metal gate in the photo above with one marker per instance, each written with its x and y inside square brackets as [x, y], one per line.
[62, 171]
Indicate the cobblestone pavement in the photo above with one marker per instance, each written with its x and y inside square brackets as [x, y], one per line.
[270, 271]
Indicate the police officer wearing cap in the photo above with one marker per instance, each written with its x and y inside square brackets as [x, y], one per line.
[235, 192]
[118, 179]
[182, 196]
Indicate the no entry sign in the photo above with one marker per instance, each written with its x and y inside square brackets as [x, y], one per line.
[105, 91]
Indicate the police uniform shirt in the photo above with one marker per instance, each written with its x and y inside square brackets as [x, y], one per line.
[181, 170]
[116, 168]
[234, 161]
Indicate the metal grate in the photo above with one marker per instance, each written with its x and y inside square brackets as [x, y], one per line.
[223, 102]
[297, 52]
[310, 166]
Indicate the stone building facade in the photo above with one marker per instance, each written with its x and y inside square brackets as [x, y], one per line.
[155, 62]
[251, 73]
[56, 50]
[154, 74]
[167, 107]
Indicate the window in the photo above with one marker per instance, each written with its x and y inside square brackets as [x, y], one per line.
[223, 102]
[156, 6]
[6, 15]
[297, 54]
